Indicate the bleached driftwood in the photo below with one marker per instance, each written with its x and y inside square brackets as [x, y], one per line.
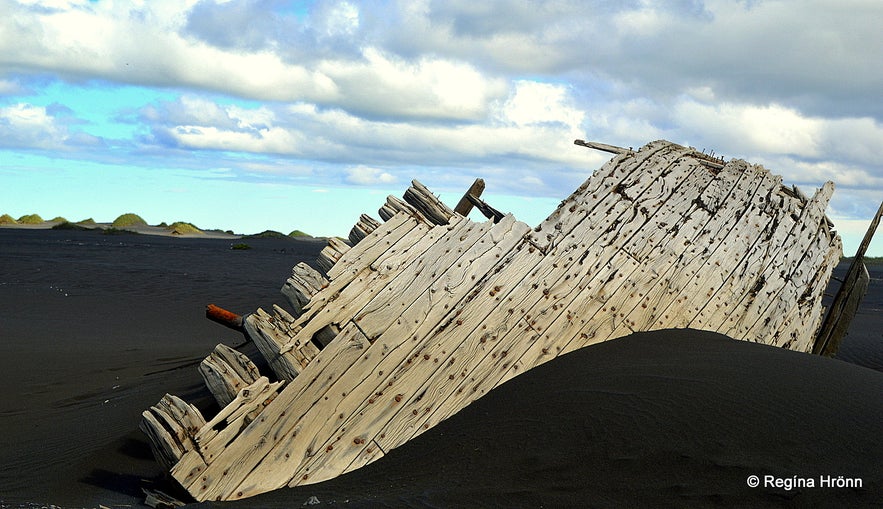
[429, 310]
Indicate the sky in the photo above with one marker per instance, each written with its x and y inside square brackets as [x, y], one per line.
[264, 114]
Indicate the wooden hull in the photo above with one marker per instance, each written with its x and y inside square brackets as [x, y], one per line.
[429, 311]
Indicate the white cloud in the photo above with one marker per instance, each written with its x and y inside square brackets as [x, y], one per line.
[366, 176]
[27, 126]
[534, 102]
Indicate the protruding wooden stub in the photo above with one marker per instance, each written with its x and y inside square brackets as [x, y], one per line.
[848, 298]
[433, 209]
[613, 149]
[304, 282]
[226, 372]
[224, 317]
[331, 253]
[363, 228]
[171, 426]
[464, 206]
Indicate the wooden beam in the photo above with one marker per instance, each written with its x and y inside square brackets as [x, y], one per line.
[464, 206]
[613, 149]
[848, 298]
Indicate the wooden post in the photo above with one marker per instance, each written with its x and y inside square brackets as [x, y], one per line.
[848, 298]
[464, 206]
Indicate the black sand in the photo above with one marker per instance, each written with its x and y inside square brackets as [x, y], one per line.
[95, 328]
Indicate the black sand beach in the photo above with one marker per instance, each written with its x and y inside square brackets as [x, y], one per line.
[95, 328]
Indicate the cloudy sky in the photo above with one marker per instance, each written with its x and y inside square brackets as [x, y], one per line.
[264, 114]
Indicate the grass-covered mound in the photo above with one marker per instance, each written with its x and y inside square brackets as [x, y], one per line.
[267, 234]
[298, 233]
[127, 220]
[87, 222]
[67, 225]
[30, 219]
[182, 228]
[58, 219]
[7, 219]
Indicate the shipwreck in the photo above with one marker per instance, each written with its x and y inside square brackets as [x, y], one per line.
[424, 311]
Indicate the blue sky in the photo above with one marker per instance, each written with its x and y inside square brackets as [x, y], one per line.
[263, 114]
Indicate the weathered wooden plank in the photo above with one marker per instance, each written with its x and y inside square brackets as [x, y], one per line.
[429, 205]
[621, 172]
[395, 205]
[226, 371]
[351, 291]
[504, 345]
[248, 403]
[304, 282]
[281, 419]
[370, 401]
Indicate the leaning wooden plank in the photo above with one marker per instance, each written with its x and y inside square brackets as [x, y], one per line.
[395, 205]
[432, 208]
[222, 429]
[374, 367]
[848, 297]
[304, 282]
[365, 275]
[280, 419]
[524, 306]
[369, 405]
[226, 371]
